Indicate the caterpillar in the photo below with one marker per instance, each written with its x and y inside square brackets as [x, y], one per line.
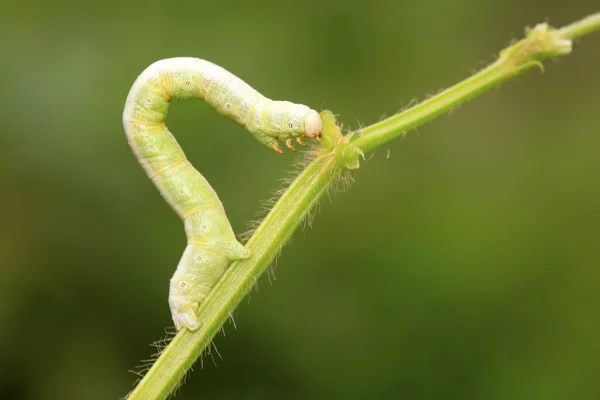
[212, 245]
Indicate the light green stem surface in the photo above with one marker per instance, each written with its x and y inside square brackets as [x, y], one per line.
[305, 191]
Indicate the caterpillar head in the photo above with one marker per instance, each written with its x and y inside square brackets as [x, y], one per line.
[285, 121]
[313, 127]
[295, 120]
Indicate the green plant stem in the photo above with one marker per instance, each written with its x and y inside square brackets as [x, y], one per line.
[308, 187]
[580, 28]
[540, 43]
[266, 242]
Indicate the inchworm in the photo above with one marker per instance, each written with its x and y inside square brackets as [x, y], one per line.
[212, 245]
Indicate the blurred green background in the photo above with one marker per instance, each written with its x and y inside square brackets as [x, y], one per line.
[462, 264]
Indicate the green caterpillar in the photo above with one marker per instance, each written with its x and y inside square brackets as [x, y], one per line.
[212, 245]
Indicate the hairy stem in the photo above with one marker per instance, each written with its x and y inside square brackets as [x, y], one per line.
[338, 152]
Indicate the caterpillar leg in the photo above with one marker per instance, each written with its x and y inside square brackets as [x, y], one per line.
[239, 252]
[275, 147]
[288, 144]
[185, 316]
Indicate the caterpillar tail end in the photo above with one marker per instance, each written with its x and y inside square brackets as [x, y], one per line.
[185, 317]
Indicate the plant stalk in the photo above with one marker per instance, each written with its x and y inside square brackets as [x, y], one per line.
[302, 195]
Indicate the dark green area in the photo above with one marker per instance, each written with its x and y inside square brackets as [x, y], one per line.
[462, 264]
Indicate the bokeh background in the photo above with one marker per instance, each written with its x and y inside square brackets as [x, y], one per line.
[462, 264]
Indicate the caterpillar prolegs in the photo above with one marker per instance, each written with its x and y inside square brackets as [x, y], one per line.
[212, 245]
